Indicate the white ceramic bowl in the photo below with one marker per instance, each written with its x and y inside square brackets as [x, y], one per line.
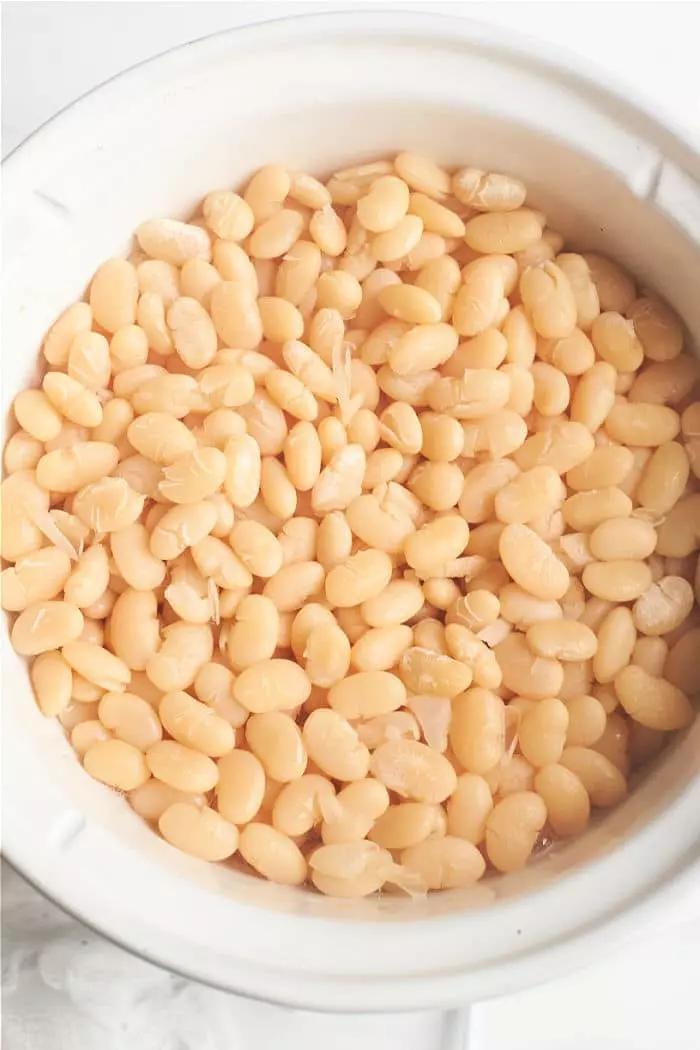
[318, 93]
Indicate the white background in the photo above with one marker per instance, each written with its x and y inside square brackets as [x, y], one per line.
[65, 988]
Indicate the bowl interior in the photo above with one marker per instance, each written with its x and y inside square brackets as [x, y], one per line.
[152, 144]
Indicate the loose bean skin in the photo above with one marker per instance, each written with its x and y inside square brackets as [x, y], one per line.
[361, 511]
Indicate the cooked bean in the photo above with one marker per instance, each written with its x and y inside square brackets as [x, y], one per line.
[616, 639]
[477, 731]
[622, 537]
[198, 830]
[130, 718]
[334, 745]
[664, 606]
[532, 563]
[604, 783]
[272, 854]
[526, 673]
[52, 680]
[272, 685]
[276, 740]
[116, 763]
[619, 580]
[512, 828]
[566, 799]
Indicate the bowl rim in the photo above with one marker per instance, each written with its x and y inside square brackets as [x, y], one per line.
[415, 991]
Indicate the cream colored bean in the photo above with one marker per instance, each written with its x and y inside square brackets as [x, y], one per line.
[294, 584]
[35, 413]
[659, 330]
[197, 278]
[195, 725]
[134, 559]
[566, 799]
[89, 360]
[272, 685]
[503, 232]
[185, 648]
[477, 730]
[604, 783]
[584, 511]
[524, 672]
[358, 579]
[468, 808]
[130, 718]
[642, 424]
[35, 577]
[664, 478]
[367, 694]
[97, 665]
[235, 314]
[607, 465]
[442, 437]
[77, 318]
[170, 393]
[44, 626]
[298, 272]
[435, 673]
[241, 786]
[587, 720]
[436, 544]
[488, 191]
[340, 481]
[67, 396]
[113, 294]
[181, 767]
[52, 681]
[549, 299]
[650, 654]
[399, 601]
[301, 804]
[227, 385]
[437, 485]
[623, 537]
[512, 828]
[542, 732]
[594, 396]
[479, 392]
[563, 447]
[652, 701]
[334, 746]
[481, 484]
[425, 346]
[172, 241]
[152, 799]
[413, 771]
[385, 205]
[551, 389]
[243, 469]
[22, 452]
[181, 527]
[193, 333]
[117, 764]
[326, 653]
[406, 824]
[616, 640]
[535, 491]
[134, 628]
[679, 534]
[310, 369]
[562, 640]
[531, 563]
[664, 606]
[578, 272]
[443, 863]
[198, 830]
[297, 538]
[615, 287]
[257, 547]
[620, 580]
[328, 232]
[272, 854]
[477, 302]
[195, 475]
[253, 636]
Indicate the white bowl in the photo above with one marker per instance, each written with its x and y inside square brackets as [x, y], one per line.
[318, 93]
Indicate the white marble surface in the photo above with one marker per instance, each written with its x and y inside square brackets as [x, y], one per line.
[65, 988]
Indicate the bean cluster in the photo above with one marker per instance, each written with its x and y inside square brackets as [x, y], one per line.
[353, 528]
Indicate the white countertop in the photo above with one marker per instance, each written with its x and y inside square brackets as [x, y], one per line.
[63, 986]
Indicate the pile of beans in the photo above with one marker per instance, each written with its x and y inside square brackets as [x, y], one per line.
[353, 528]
